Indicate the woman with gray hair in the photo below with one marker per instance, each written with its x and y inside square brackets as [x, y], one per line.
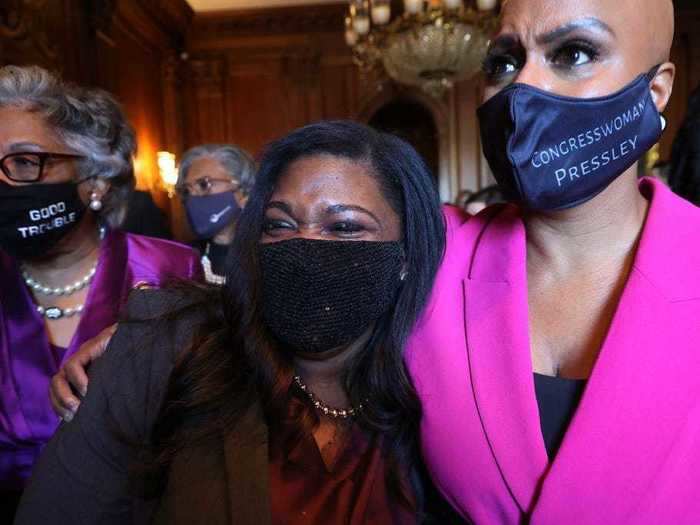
[213, 183]
[65, 270]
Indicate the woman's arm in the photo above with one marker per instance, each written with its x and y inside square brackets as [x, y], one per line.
[83, 474]
[73, 375]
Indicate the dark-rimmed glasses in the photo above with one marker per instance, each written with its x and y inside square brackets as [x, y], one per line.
[29, 166]
[204, 186]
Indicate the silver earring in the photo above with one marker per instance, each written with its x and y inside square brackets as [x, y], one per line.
[663, 122]
[95, 202]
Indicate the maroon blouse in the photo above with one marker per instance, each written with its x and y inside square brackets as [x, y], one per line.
[304, 491]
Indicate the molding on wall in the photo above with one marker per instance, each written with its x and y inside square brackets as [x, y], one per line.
[12, 22]
[156, 24]
[309, 19]
[210, 71]
[28, 26]
[174, 16]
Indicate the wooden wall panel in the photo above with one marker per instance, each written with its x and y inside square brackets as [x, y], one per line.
[473, 171]
[282, 68]
[48, 33]
[122, 64]
[339, 89]
[260, 106]
[288, 67]
[134, 60]
[205, 102]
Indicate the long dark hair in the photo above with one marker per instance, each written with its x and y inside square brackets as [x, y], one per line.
[233, 362]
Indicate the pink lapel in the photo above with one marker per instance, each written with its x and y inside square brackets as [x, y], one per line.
[498, 346]
[636, 430]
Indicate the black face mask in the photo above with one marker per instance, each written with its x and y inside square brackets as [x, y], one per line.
[322, 295]
[35, 217]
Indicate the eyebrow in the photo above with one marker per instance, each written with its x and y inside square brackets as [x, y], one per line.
[507, 40]
[339, 208]
[562, 31]
[510, 40]
[331, 210]
[286, 208]
[24, 146]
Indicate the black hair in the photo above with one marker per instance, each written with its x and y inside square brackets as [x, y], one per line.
[684, 178]
[234, 362]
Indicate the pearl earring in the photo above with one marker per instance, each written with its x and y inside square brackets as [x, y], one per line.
[402, 275]
[663, 122]
[95, 202]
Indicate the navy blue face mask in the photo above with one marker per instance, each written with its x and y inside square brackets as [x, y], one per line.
[209, 214]
[551, 152]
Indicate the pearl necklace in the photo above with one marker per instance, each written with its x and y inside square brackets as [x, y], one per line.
[209, 275]
[60, 290]
[338, 413]
[55, 312]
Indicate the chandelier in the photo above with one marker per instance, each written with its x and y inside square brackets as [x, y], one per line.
[432, 45]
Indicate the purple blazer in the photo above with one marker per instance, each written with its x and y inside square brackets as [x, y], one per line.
[631, 455]
[27, 361]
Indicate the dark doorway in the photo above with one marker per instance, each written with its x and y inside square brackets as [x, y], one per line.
[414, 123]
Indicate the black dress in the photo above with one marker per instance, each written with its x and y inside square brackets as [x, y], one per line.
[144, 217]
[557, 399]
[216, 253]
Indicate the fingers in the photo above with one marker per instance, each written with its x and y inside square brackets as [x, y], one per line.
[104, 338]
[63, 401]
[74, 370]
[76, 365]
[96, 346]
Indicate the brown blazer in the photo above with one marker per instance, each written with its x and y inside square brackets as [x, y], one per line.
[221, 485]
[83, 477]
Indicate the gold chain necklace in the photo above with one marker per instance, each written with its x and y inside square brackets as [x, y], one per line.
[326, 410]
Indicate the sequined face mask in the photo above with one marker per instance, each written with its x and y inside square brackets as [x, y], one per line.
[322, 295]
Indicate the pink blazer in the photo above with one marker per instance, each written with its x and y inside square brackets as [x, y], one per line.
[631, 454]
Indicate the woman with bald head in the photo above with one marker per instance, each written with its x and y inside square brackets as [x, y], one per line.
[560, 347]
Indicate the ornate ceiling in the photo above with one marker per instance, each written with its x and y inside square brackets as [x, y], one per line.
[216, 5]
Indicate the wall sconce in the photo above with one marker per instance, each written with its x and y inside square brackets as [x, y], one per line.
[168, 171]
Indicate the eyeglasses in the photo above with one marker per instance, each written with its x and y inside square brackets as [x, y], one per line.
[29, 167]
[204, 186]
